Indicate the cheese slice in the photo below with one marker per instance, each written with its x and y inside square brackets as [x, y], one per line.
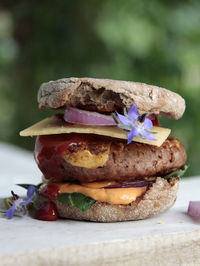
[49, 126]
[97, 192]
[86, 159]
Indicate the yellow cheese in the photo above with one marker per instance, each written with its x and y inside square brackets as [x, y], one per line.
[50, 126]
[86, 159]
[96, 192]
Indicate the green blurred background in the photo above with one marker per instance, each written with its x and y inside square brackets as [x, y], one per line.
[157, 42]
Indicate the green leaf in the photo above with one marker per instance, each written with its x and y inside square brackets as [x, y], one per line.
[78, 200]
[177, 173]
[26, 186]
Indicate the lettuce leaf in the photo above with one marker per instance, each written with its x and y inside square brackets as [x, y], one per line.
[78, 200]
[177, 173]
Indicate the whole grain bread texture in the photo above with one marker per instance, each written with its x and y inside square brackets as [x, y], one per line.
[107, 95]
[158, 198]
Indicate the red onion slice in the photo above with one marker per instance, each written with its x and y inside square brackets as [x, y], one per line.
[77, 116]
[194, 208]
[136, 183]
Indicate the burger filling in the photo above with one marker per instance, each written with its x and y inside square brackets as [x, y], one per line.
[87, 168]
[87, 157]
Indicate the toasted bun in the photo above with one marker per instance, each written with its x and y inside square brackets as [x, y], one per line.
[160, 197]
[106, 95]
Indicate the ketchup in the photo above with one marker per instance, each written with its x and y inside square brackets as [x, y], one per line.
[58, 117]
[154, 120]
[50, 191]
[49, 152]
[47, 212]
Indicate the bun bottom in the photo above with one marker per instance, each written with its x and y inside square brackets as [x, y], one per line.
[158, 198]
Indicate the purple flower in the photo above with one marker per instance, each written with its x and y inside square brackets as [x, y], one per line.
[18, 205]
[139, 126]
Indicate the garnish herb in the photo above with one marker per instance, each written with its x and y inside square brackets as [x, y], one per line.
[177, 173]
[78, 200]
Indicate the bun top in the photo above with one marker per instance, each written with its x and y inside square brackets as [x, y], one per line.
[107, 95]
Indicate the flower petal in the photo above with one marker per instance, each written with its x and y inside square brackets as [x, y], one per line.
[148, 123]
[25, 202]
[10, 212]
[147, 135]
[133, 112]
[31, 191]
[125, 121]
[133, 133]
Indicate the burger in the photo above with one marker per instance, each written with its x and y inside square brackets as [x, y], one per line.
[103, 155]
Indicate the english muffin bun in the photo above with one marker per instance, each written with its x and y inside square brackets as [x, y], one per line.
[157, 199]
[107, 95]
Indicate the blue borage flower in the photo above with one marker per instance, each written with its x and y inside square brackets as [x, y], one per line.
[17, 205]
[138, 126]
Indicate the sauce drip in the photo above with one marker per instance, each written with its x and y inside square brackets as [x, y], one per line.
[50, 191]
[49, 152]
[47, 212]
